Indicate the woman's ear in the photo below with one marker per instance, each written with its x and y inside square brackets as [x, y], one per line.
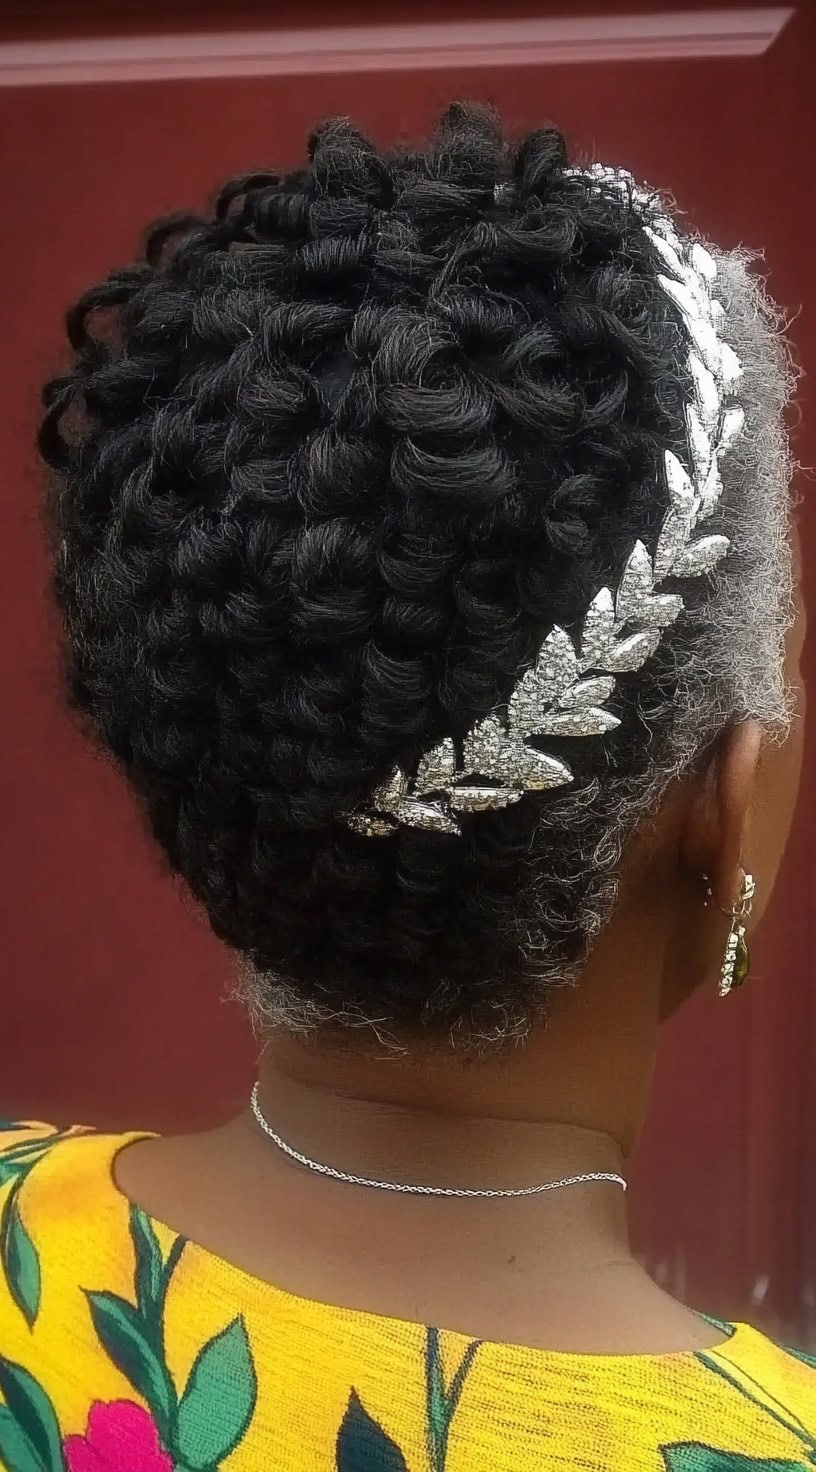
[715, 837]
[718, 818]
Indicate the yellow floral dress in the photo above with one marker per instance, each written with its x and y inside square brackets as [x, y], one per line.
[126, 1348]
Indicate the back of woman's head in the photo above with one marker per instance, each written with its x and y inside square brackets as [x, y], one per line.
[331, 465]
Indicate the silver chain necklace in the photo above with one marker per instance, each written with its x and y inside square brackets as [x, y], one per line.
[352, 1180]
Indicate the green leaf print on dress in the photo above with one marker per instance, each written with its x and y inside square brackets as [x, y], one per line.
[697, 1457]
[203, 1425]
[16, 1450]
[130, 1341]
[19, 1258]
[364, 1446]
[21, 1263]
[217, 1405]
[692, 1456]
[193, 1433]
[441, 1401]
[33, 1414]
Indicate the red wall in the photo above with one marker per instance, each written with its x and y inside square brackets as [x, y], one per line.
[113, 1005]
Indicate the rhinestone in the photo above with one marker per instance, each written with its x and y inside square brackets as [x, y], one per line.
[482, 799]
[711, 491]
[707, 393]
[589, 692]
[731, 366]
[636, 584]
[681, 489]
[742, 962]
[700, 443]
[489, 751]
[672, 540]
[556, 669]
[707, 342]
[703, 262]
[667, 251]
[732, 425]
[437, 768]
[426, 815]
[369, 825]
[682, 296]
[599, 629]
[387, 798]
[589, 722]
[662, 610]
[631, 653]
[701, 556]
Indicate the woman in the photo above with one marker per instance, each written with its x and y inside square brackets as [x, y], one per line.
[422, 542]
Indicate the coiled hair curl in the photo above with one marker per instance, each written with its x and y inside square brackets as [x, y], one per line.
[329, 463]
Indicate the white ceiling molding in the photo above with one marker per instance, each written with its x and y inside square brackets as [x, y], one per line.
[546, 41]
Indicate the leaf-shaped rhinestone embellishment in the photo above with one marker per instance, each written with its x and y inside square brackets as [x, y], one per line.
[703, 262]
[437, 768]
[681, 489]
[599, 630]
[711, 491]
[557, 664]
[482, 799]
[370, 825]
[482, 747]
[731, 367]
[701, 556]
[636, 585]
[489, 751]
[428, 815]
[662, 610]
[670, 255]
[555, 670]
[706, 393]
[681, 295]
[732, 425]
[595, 691]
[630, 654]
[590, 722]
[388, 797]
[708, 343]
[700, 443]
[672, 540]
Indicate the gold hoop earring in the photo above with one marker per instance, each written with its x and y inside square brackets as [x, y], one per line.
[736, 962]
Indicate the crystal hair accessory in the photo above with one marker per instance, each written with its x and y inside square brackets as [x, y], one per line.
[566, 693]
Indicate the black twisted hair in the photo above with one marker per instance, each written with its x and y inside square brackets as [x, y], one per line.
[330, 462]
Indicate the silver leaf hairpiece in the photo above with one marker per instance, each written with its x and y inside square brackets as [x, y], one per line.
[566, 693]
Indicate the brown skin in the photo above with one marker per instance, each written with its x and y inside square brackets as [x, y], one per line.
[553, 1271]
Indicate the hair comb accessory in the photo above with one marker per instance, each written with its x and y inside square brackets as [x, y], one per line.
[567, 691]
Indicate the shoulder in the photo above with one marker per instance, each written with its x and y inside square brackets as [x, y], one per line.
[58, 1171]
[59, 1207]
[34, 1154]
[749, 1356]
[24, 1147]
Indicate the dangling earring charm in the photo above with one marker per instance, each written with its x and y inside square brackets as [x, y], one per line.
[736, 962]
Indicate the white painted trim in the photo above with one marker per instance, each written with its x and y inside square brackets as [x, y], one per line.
[746, 31]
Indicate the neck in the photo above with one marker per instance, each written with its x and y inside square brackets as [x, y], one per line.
[460, 1149]
[566, 1102]
[564, 1232]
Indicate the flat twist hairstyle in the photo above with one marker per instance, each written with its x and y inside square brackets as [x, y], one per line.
[329, 463]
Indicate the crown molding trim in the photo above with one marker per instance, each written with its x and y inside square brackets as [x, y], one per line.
[538, 41]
